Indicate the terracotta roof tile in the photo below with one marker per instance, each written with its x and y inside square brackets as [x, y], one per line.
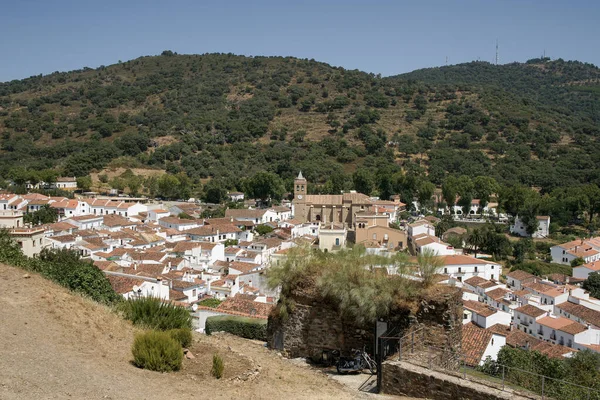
[474, 342]
[530, 310]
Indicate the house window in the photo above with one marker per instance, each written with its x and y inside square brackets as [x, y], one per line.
[374, 236]
[337, 241]
[194, 293]
[445, 270]
[459, 270]
[475, 269]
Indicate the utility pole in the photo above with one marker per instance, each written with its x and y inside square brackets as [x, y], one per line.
[496, 51]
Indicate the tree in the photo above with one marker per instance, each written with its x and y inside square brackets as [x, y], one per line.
[476, 239]
[450, 190]
[45, 215]
[465, 190]
[591, 205]
[577, 262]
[592, 284]
[263, 229]
[265, 186]
[485, 186]
[84, 183]
[214, 193]
[429, 264]
[425, 192]
[363, 181]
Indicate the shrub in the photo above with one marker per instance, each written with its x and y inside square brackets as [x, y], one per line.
[213, 303]
[153, 313]
[249, 328]
[157, 351]
[183, 336]
[217, 366]
[63, 267]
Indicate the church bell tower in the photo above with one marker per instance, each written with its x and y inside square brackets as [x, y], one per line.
[300, 189]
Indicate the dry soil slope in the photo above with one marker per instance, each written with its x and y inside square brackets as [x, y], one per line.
[56, 345]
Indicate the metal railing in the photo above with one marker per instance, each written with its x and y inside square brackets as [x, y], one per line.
[415, 348]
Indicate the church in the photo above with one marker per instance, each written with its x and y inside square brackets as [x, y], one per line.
[327, 208]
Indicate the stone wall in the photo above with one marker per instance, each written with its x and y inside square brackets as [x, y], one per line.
[315, 326]
[404, 379]
[310, 329]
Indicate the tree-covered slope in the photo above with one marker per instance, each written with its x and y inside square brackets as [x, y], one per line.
[226, 117]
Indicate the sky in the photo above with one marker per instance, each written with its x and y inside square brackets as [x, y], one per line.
[385, 37]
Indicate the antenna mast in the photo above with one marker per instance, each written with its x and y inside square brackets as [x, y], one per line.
[496, 51]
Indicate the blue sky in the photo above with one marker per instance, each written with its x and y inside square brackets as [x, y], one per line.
[387, 37]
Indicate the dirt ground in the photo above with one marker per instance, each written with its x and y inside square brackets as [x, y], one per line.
[56, 345]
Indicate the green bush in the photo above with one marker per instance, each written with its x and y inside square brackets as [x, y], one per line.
[249, 328]
[64, 267]
[217, 366]
[157, 351]
[153, 313]
[213, 303]
[183, 336]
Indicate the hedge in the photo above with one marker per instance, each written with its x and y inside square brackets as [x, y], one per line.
[249, 328]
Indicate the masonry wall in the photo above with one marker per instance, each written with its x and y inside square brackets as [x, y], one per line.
[310, 329]
[315, 326]
[404, 379]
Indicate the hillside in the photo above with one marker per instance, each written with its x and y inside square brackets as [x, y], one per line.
[58, 345]
[225, 116]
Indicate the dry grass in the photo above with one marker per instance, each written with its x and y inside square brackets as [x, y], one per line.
[59, 345]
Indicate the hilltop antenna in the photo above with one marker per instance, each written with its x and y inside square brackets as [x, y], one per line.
[446, 61]
[496, 51]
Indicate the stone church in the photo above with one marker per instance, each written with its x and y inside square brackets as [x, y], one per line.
[327, 208]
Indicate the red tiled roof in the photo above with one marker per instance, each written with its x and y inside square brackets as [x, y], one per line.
[474, 342]
[530, 310]
[245, 304]
[478, 308]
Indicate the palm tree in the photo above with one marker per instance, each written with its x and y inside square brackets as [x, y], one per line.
[475, 240]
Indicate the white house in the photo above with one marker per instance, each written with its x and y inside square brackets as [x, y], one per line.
[584, 270]
[525, 318]
[86, 221]
[256, 216]
[158, 213]
[483, 315]
[420, 227]
[332, 237]
[464, 267]
[588, 250]
[516, 279]
[423, 243]
[178, 223]
[11, 202]
[235, 196]
[130, 286]
[64, 183]
[543, 229]
[479, 344]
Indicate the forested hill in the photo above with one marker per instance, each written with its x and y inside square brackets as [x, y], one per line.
[225, 116]
[568, 86]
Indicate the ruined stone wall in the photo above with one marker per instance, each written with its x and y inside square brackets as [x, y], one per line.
[314, 326]
[404, 379]
[310, 329]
